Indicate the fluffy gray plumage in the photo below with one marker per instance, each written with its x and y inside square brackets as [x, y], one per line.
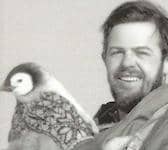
[46, 117]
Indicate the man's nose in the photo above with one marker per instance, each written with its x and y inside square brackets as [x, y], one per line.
[128, 60]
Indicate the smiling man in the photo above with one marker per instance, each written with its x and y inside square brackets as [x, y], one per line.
[136, 58]
[133, 49]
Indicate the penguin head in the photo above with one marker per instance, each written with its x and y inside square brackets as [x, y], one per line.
[23, 79]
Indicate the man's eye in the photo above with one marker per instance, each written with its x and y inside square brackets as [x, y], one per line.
[142, 53]
[115, 52]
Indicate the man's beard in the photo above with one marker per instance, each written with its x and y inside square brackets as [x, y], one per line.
[127, 103]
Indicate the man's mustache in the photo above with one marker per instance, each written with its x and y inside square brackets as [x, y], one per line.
[124, 72]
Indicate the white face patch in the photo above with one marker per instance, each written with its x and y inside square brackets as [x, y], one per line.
[22, 83]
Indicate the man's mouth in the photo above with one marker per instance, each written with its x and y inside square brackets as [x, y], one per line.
[129, 79]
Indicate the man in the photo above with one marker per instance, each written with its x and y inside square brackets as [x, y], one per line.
[135, 39]
[135, 55]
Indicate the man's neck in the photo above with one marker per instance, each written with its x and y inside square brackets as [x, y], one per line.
[122, 114]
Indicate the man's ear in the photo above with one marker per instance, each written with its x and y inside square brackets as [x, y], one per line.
[103, 56]
[165, 70]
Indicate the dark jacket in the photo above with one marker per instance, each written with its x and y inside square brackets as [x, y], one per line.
[140, 117]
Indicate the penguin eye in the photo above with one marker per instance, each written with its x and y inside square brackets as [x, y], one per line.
[19, 80]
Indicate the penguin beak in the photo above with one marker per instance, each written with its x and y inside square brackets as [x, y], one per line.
[7, 88]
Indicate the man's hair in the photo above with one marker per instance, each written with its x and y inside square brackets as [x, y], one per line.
[137, 11]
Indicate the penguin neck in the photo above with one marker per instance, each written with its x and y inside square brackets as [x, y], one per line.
[29, 97]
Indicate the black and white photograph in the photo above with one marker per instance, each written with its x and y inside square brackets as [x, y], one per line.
[84, 75]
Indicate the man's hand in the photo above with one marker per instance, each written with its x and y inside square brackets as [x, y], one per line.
[118, 143]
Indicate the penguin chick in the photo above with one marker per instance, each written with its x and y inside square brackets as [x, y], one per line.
[33, 141]
[45, 107]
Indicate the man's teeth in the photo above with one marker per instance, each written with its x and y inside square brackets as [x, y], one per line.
[129, 79]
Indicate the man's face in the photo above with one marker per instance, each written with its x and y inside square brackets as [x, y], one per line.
[134, 62]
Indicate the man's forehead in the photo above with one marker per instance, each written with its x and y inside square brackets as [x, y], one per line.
[134, 34]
